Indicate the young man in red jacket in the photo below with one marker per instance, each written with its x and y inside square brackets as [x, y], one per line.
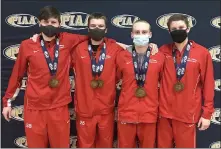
[94, 64]
[138, 102]
[47, 63]
[95, 67]
[187, 81]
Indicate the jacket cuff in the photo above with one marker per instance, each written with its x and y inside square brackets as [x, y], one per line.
[7, 103]
[206, 115]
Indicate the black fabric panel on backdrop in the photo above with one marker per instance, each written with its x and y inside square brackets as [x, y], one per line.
[203, 32]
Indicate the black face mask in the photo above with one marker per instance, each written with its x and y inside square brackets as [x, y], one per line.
[178, 35]
[96, 34]
[49, 30]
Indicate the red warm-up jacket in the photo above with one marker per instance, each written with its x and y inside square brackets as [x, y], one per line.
[38, 94]
[89, 102]
[130, 108]
[199, 85]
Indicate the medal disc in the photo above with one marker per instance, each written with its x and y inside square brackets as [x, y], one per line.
[100, 83]
[140, 92]
[179, 86]
[53, 83]
[94, 84]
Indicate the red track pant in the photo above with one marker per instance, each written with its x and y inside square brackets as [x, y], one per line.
[129, 132]
[171, 131]
[47, 126]
[96, 132]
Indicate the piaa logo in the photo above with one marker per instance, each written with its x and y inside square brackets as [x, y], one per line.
[119, 85]
[21, 20]
[11, 52]
[72, 114]
[215, 53]
[218, 85]
[215, 22]
[216, 117]
[124, 20]
[115, 144]
[72, 83]
[216, 144]
[162, 20]
[22, 142]
[73, 141]
[74, 20]
[23, 83]
[17, 113]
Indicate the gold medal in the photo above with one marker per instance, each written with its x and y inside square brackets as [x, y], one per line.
[100, 83]
[179, 86]
[94, 84]
[53, 83]
[140, 92]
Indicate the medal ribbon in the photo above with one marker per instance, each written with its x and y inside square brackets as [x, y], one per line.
[181, 68]
[52, 65]
[97, 68]
[140, 73]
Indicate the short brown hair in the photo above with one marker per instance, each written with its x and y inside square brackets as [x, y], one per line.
[178, 17]
[48, 12]
[143, 21]
[97, 15]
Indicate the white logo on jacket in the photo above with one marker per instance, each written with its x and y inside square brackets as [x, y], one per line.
[82, 122]
[61, 46]
[192, 60]
[123, 123]
[36, 51]
[108, 56]
[189, 59]
[83, 57]
[129, 62]
[167, 56]
[27, 125]
[153, 61]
